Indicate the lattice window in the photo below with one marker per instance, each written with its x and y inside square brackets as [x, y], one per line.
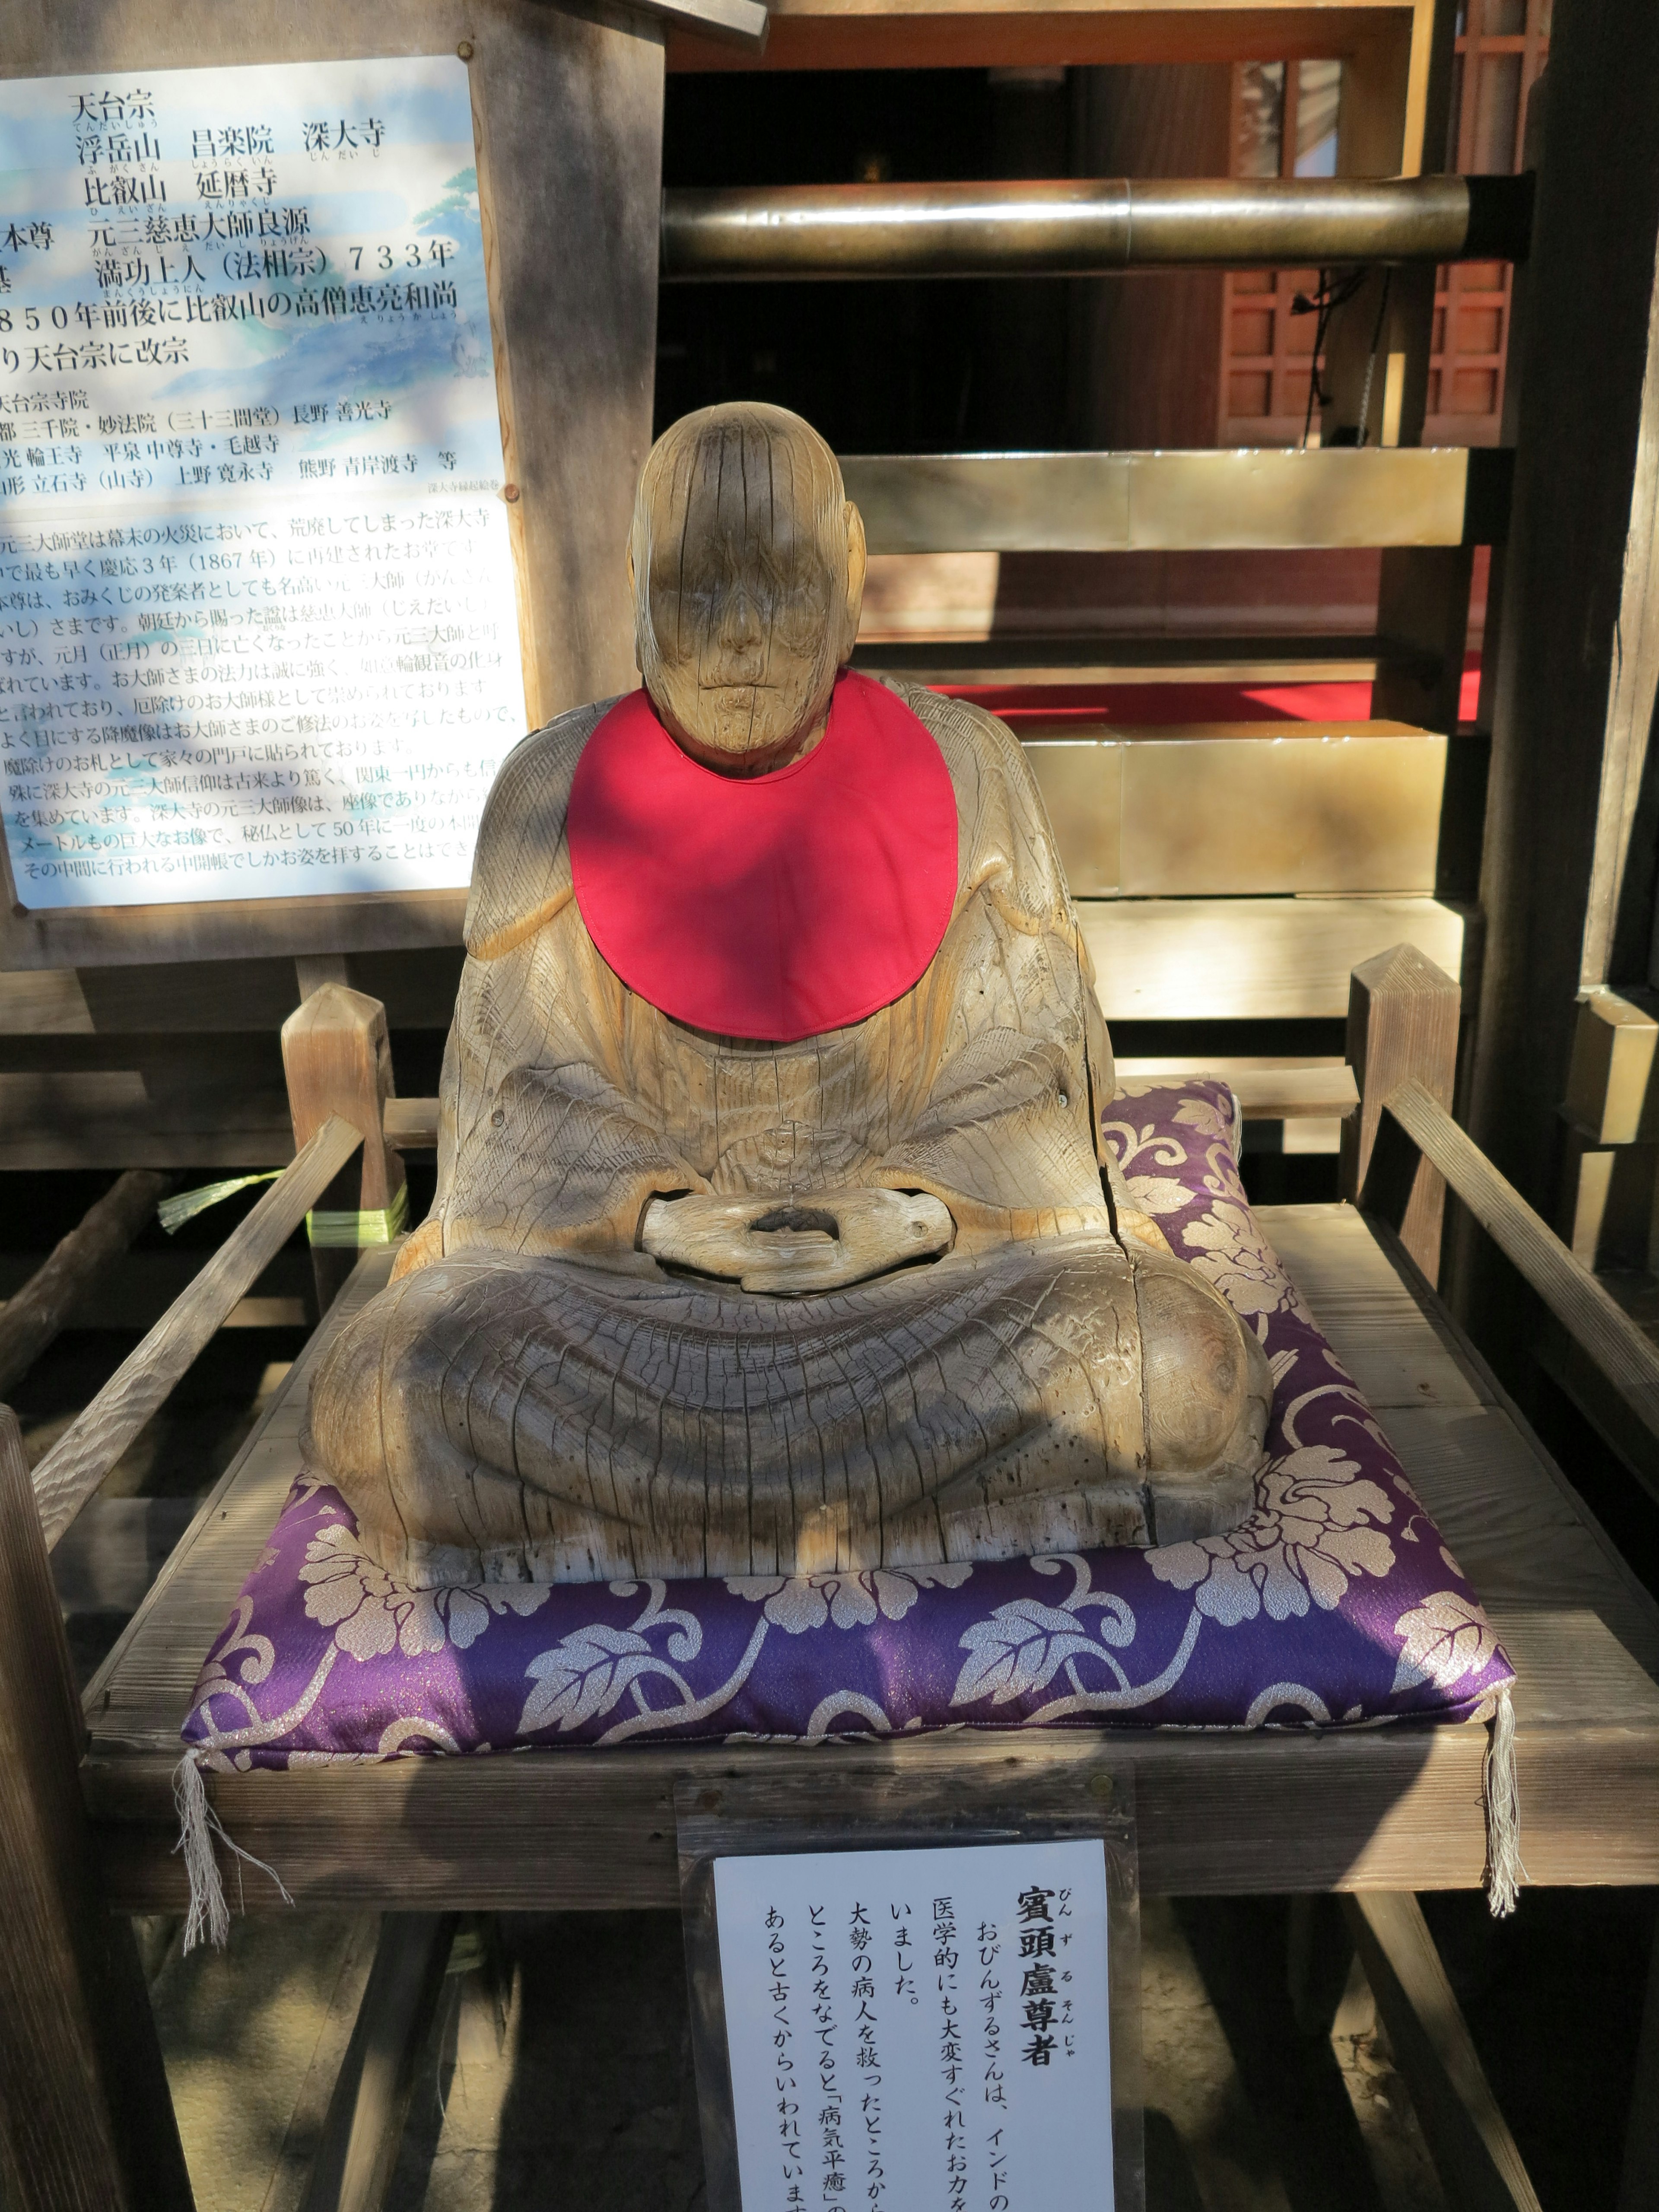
[1284, 117]
[1502, 46]
[1285, 120]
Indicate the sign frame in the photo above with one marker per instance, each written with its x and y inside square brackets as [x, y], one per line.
[574, 336]
[852, 1808]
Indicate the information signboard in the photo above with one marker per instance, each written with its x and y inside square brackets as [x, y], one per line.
[924, 2029]
[259, 634]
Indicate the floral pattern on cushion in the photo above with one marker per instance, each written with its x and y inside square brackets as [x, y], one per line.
[1336, 1604]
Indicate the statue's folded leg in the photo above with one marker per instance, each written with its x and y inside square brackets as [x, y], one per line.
[560, 1421]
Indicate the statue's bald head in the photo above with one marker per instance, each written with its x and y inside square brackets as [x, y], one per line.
[747, 562]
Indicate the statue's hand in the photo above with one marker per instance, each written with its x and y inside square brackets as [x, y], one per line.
[788, 1246]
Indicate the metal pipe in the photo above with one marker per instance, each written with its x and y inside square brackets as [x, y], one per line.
[1090, 228]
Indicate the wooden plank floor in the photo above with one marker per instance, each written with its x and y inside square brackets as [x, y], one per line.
[1390, 1808]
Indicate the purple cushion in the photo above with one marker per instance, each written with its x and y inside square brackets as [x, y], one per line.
[1336, 1604]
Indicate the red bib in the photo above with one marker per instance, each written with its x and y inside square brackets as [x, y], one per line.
[770, 906]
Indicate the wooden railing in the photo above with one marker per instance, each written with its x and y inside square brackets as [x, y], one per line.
[72, 1470]
[1417, 1128]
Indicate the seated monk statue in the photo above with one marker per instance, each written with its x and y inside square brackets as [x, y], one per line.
[775, 1233]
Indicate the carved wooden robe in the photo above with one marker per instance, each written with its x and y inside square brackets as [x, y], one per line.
[536, 1397]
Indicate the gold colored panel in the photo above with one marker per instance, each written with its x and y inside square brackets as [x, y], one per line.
[1405, 495]
[1081, 781]
[1612, 1093]
[1109, 502]
[1340, 809]
[1249, 959]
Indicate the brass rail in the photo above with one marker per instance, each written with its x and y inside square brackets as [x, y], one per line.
[1089, 227]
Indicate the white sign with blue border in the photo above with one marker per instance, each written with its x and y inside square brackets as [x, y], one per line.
[259, 634]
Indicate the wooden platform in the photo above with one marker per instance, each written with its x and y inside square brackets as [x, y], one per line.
[1390, 1808]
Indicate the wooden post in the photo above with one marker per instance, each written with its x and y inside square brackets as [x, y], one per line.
[337, 1057]
[366, 2113]
[1639, 2181]
[85, 2116]
[1468, 2138]
[1377, 372]
[69, 1473]
[1423, 618]
[1402, 1026]
[1566, 876]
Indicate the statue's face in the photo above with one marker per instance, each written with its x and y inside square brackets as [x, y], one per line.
[750, 601]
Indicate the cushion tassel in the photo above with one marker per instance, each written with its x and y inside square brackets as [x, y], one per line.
[198, 1824]
[1504, 1868]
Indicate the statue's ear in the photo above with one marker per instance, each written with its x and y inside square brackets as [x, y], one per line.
[857, 561]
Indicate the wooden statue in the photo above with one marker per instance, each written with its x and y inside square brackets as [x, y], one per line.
[773, 1232]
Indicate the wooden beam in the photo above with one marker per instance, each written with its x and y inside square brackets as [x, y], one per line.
[1423, 617]
[1632, 690]
[741, 23]
[1403, 1015]
[85, 1453]
[1595, 1323]
[1469, 2137]
[1611, 1092]
[1148, 656]
[866, 34]
[337, 1057]
[1269, 1092]
[246, 998]
[364, 2124]
[1570, 670]
[33, 1316]
[411, 1124]
[1258, 497]
[85, 2119]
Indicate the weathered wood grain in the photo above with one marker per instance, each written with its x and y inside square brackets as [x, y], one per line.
[140, 1693]
[1403, 1015]
[86, 2120]
[411, 1124]
[1268, 1093]
[1468, 2138]
[1395, 1347]
[227, 999]
[352, 2165]
[1572, 1294]
[1045, 1384]
[337, 1058]
[83, 1456]
[33, 1316]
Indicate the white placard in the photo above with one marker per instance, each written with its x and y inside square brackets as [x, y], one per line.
[257, 628]
[921, 2030]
